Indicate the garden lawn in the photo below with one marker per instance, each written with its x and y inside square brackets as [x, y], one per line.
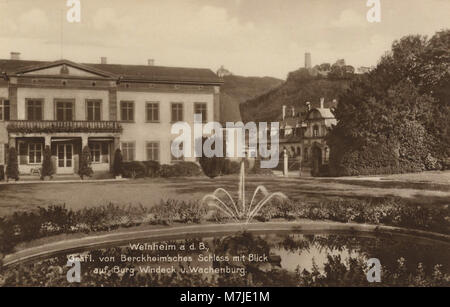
[149, 192]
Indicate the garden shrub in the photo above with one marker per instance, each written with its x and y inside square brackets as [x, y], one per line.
[219, 217]
[170, 211]
[117, 165]
[27, 225]
[432, 163]
[369, 159]
[258, 170]
[85, 169]
[212, 167]
[7, 241]
[56, 219]
[180, 169]
[324, 170]
[188, 169]
[164, 213]
[167, 171]
[230, 167]
[47, 165]
[152, 169]
[134, 169]
[12, 169]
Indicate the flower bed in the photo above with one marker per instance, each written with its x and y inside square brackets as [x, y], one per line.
[44, 222]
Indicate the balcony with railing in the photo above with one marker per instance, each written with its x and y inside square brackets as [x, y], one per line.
[50, 126]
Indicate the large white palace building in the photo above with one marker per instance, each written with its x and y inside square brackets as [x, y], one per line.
[68, 106]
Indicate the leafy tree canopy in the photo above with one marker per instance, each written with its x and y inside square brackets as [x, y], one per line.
[409, 89]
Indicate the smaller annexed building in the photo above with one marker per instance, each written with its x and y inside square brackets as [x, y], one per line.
[303, 134]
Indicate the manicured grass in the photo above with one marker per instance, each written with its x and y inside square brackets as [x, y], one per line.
[149, 192]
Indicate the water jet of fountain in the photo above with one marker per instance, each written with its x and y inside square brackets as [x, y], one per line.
[239, 211]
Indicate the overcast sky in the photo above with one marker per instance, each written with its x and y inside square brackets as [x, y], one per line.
[249, 37]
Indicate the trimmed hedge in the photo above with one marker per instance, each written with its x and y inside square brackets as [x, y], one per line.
[134, 169]
[258, 170]
[212, 167]
[230, 167]
[153, 169]
[180, 169]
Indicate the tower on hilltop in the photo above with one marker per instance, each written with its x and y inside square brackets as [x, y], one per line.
[308, 63]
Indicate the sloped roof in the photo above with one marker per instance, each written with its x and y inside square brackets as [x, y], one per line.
[291, 121]
[229, 109]
[324, 112]
[130, 72]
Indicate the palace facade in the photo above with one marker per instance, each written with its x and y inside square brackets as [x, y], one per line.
[68, 106]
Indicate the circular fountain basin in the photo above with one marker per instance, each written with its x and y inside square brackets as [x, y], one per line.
[217, 230]
[268, 254]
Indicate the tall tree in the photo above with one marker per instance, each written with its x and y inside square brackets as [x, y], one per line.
[394, 119]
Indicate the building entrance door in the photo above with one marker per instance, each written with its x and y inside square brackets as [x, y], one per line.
[65, 158]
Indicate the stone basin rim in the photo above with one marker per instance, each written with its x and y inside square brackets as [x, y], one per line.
[184, 232]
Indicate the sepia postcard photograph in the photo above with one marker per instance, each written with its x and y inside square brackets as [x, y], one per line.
[225, 150]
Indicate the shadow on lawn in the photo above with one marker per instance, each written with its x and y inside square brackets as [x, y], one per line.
[390, 184]
[296, 191]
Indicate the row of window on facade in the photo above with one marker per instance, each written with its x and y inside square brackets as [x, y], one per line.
[152, 152]
[299, 132]
[64, 110]
[33, 152]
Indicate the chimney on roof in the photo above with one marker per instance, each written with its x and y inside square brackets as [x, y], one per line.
[284, 112]
[15, 55]
[104, 60]
[151, 62]
[322, 100]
